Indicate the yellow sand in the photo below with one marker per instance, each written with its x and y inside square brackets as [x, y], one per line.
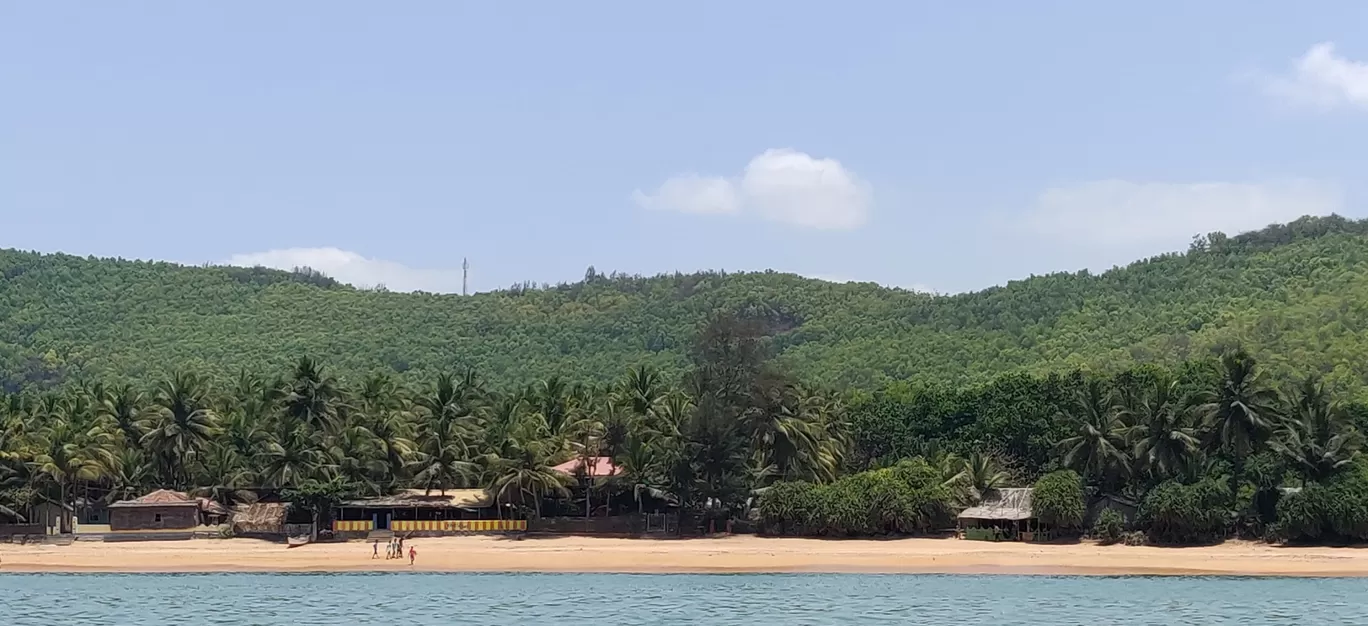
[732, 554]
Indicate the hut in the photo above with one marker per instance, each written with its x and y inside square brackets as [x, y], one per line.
[164, 509]
[1103, 502]
[54, 517]
[1002, 515]
[420, 511]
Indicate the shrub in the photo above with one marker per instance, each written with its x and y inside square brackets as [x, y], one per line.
[1176, 513]
[1109, 526]
[1334, 509]
[905, 499]
[1058, 500]
[1134, 538]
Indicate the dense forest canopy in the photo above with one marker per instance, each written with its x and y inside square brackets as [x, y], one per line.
[1295, 295]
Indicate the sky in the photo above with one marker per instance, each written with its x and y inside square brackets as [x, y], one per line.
[934, 146]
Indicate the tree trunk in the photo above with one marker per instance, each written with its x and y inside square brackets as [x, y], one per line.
[62, 519]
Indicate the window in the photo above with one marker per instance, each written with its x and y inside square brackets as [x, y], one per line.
[156, 517]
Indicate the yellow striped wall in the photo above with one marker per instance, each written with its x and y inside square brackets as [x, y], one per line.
[353, 525]
[459, 526]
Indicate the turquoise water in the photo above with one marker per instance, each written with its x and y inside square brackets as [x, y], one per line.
[622, 599]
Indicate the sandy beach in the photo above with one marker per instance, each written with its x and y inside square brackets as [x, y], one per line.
[727, 555]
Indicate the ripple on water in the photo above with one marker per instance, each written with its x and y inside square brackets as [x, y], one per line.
[635, 599]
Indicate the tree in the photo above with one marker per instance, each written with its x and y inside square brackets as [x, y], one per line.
[1240, 412]
[524, 471]
[311, 396]
[1057, 500]
[1316, 437]
[443, 459]
[1097, 448]
[65, 455]
[183, 425]
[1165, 442]
[124, 407]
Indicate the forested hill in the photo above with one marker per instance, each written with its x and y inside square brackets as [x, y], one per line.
[1296, 295]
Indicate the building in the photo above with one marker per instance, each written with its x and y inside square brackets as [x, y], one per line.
[1002, 515]
[164, 509]
[419, 512]
[53, 517]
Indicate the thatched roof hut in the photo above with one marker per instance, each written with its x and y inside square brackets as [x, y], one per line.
[1009, 504]
[260, 518]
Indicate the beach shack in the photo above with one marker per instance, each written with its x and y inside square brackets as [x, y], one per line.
[417, 512]
[164, 509]
[1003, 515]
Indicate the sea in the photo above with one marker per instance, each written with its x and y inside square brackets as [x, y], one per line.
[630, 599]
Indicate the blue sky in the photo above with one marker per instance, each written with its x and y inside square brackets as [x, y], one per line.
[950, 146]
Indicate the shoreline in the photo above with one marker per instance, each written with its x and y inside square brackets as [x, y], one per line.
[730, 555]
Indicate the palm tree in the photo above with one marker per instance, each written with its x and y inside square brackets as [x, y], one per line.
[124, 407]
[1097, 447]
[390, 435]
[642, 390]
[289, 458]
[1239, 414]
[980, 473]
[447, 408]
[64, 456]
[525, 470]
[224, 476]
[1165, 443]
[551, 403]
[312, 396]
[443, 459]
[183, 425]
[1317, 436]
[130, 476]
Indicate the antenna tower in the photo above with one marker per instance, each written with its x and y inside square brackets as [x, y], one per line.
[465, 276]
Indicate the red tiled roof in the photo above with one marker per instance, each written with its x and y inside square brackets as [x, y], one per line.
[598, 467]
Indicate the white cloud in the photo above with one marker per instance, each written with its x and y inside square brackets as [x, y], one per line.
[354, 269]
[779, 185]
[1154, 216]
[1323, 79]
[691, 193]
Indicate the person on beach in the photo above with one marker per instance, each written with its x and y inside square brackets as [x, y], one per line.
[413, 554]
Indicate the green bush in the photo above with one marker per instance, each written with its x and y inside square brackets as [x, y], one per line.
[1134, 538]
[905, 499]
[1109, 526]
[1176, 513]
[1335, 509]
[1058, 500]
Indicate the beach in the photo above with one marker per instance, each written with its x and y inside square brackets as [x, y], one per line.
[736, 554]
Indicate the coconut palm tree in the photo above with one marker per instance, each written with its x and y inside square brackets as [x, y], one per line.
[980, 473]
[182, 425]
[443, 458]
[125, 408]
[64, 455]
[289, 458]
[1317, 436]
[312, 397]
[1164, 441]
[447, 408]
[524, 471]
[1241, 411]
[1097, 447]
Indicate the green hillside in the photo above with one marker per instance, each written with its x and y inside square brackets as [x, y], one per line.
[1296, 295]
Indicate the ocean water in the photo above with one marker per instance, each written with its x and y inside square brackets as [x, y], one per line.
[626, 599]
